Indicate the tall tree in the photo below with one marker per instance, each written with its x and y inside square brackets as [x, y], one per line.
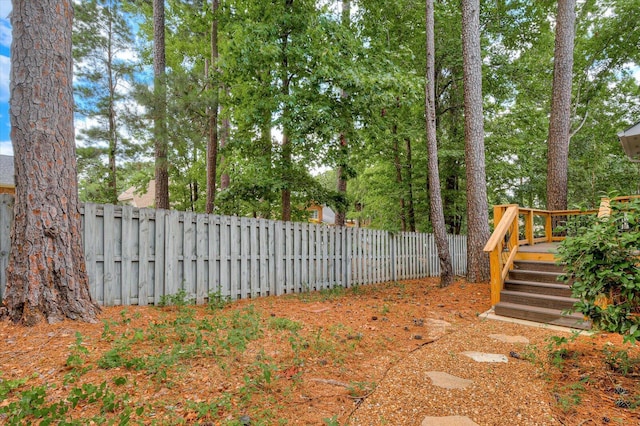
[46, 276]
[101, 36]
[212, 145]
[435, 197]
[341, 175]
[160, 106]
[477, 207]
[560, 118]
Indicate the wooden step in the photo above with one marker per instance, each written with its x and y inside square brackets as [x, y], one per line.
[543, 315]
[541, 300]
[532, 265]
[536, 287]
[531, 275]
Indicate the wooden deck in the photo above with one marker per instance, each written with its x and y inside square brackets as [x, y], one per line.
[545, 252]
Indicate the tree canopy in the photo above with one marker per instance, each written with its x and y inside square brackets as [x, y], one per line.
[295, 79]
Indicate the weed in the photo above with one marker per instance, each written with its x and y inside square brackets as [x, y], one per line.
[284, 324]
[216, 301]
[360, 389]
[331, 421]
[180, 299]
[76, 360]
[570, 395]
[8, 386]
[620, 362]
[107, 331]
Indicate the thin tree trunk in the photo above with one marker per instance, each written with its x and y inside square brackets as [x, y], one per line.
[560, 118]
[341, 213]
[477, 207]
[212, 146]
[286, 142]
[435, 196]
[160, 131]
[46, 275]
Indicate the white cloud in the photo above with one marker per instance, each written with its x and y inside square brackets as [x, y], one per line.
[5, 68]
[6, 148]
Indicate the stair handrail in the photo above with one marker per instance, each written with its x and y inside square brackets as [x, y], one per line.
[502, 247]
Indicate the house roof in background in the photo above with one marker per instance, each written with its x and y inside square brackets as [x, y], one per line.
[144, 200]
[630, 140]
[7, 173]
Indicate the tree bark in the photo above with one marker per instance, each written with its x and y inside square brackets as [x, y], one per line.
[435, 196]
[212, 146]
[160, 131]
[477, 207]
[560, 118]
[341, 184]
[46, 276]
[285, 195]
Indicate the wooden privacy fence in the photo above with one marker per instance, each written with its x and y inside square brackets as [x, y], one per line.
[136, 256]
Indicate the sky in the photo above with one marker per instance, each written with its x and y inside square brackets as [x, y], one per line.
[5, 43]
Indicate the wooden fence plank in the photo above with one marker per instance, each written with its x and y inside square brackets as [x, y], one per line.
[234, 250]
[128, 247]
[201, 256]
[188, 244]
[159, 256]
[225, 256]
[279, 260]
[143, 257]
[213, 254]
[111, 293]
[90, 250]
[172, 282]
[245, 258]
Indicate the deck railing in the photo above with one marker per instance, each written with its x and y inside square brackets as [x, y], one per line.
[516, 226]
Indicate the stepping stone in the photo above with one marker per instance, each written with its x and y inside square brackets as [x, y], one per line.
[447, 381]
[484, 357]
[509, 339]
[448, 421]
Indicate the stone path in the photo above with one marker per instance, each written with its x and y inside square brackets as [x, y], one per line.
[448, 381]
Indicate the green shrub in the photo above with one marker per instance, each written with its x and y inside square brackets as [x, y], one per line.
[602, 260]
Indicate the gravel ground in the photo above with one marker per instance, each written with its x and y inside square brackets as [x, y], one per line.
[511, 393]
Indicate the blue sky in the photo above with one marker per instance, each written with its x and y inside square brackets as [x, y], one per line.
[5, 43]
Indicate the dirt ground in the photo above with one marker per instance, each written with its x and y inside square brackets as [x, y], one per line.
[360, 356]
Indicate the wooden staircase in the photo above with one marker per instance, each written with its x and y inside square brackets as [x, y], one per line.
[532, 292]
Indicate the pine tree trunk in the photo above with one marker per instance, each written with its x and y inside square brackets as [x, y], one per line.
[560, 118]
[160, 131]
[212, 146]
[46, 276]
[435, 196]
[477, 207]
[285, 195]
[341, 184]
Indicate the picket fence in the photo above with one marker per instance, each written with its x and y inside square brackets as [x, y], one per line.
[136, 256]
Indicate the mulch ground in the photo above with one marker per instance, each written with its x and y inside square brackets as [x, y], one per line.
[306, 359]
